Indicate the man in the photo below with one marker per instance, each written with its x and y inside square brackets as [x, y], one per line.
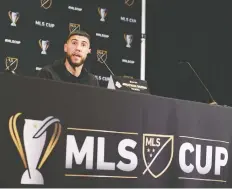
[77, 47]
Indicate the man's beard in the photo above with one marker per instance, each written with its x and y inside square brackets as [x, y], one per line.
[74, 65]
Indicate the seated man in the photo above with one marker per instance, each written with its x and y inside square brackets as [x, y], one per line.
[77, 47]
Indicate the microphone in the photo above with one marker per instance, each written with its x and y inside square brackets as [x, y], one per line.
[108, 68]
[213, 101]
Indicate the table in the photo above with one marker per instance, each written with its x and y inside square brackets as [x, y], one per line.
[56, 134]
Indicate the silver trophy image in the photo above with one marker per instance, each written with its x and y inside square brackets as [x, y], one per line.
[44, 44]
[129, 39]
[14, 16]
[103, 13]
[34, 138]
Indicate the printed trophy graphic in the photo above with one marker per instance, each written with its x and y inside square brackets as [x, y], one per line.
[44, 44]
[34, 137]
[103, 13]
[129, 39]
[14, 16]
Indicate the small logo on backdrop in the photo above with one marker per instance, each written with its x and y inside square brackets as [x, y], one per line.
[34, 138]
[46, 4]
[153, 145]
[44, 24]
[102, 78]
[74, 27]
[75, 8]
[102, 56]
[12, 41]
[127, 19]
[129, 39]
[44, 44]
[14, 16]
[102, 35]
[129, 2]
[102, 12]
[11, 63]
[128, 61]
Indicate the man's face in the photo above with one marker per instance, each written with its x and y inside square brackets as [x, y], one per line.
[77, 49]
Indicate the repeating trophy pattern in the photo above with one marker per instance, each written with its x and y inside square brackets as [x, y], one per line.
[34, 138]
[40, 36]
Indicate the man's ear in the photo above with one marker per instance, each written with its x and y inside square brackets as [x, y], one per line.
[90, 50]
[65, 47]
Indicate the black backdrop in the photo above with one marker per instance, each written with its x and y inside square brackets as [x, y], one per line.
[196, 31]
[50, 20]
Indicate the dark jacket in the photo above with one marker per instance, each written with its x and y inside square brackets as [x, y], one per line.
[58, 72]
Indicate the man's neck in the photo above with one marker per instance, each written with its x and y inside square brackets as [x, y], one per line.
[76, 71]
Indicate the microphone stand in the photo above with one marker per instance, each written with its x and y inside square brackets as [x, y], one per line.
[213, 101]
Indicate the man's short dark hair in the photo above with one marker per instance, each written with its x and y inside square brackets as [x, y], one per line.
[80, 33]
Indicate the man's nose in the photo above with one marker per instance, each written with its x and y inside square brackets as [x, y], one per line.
[78, 47]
